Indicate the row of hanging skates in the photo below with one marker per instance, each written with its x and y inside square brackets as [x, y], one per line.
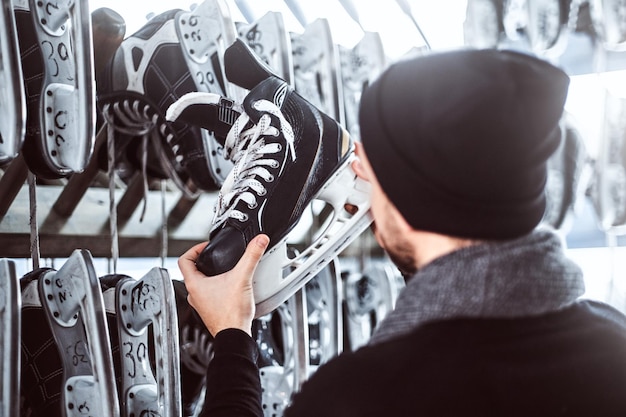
[211, 106]
[264, 119]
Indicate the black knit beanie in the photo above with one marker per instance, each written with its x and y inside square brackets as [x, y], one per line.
[459, 140]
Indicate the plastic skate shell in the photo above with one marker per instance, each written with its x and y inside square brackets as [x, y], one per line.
[72, 300]
[316, 69]
[10, 328]
[268, 39]
[360, 66]
[205, 33]
[12, 101]
[62, 133]
[278, 276]
[142, 303]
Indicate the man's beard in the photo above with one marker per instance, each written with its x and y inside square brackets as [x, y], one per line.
[400, 254]
[404, 263]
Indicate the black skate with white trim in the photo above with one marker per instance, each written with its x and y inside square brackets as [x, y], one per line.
[175, 53]
[286, 153]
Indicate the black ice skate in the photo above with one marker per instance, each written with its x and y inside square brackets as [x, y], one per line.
[175, 53]
[286, 153]
[12, 101]
[67, 365]
[56, 53]
[10, 326]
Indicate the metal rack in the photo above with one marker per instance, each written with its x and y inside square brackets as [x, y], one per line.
[74, 213]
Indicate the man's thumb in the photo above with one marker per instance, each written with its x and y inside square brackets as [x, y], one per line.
[254, 252]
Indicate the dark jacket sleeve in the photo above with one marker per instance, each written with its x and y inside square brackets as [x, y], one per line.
[233, 387]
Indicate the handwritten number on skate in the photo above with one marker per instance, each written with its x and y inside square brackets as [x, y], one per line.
[136, 356]
[209, 78]
[254, 37]
[83, 408]
[78, 352]
[61, 292]
[53, 6]
[52, 58]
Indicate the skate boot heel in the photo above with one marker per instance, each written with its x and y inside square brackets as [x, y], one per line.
[62, 127]
[149, 301]
[10, 326]
[72, 300]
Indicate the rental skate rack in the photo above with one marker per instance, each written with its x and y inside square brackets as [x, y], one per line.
[74, 213]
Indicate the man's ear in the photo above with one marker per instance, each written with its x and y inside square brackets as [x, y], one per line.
[358, 164]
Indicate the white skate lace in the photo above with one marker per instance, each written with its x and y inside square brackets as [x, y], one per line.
[252, 157]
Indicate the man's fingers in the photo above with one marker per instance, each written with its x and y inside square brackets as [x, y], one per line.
[253, 254]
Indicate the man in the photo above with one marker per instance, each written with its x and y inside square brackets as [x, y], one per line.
[454, 146]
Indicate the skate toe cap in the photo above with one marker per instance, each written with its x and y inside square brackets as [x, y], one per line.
[222, 253]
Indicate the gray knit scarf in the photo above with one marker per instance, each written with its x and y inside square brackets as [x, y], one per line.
[522, 277]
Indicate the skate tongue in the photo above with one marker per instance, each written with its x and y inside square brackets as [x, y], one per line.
[206, 110]
[243, 67]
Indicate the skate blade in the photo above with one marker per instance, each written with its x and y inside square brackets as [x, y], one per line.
[269, 40]
[316, 68]
[139, 304]
[278, 276]
[73, 303]
[324, 318]
[10, 328]
[67, 110]
[12, 99]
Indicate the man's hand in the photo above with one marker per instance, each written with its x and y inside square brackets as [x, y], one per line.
[226, 300]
